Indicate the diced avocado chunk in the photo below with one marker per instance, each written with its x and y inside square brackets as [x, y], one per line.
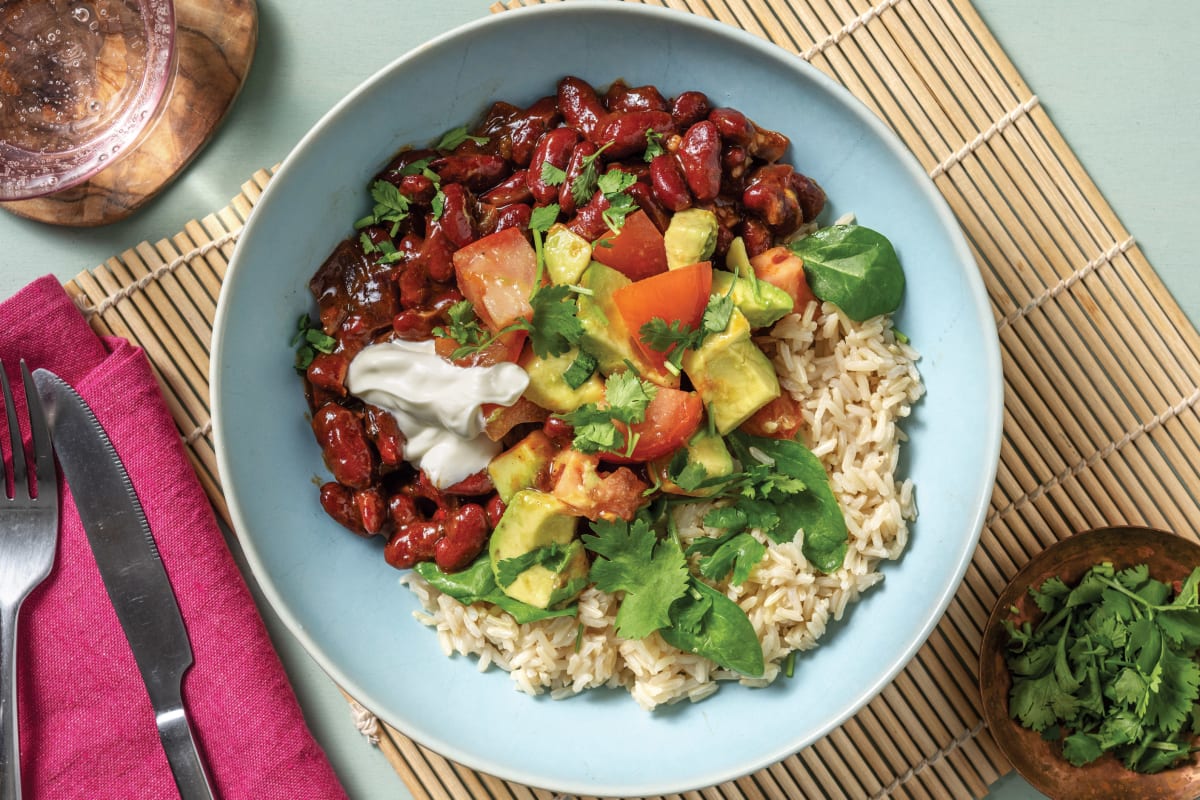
[567, 254]
[691, 236]
[520, 466]
[538, 529]
[762, 303]
[704, 456]
[549, 389]
[604, 332]
[733, 377]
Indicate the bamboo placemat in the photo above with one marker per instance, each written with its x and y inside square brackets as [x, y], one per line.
[1101, 371]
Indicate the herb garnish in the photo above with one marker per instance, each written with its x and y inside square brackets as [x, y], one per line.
[309, 340]
[1114, 660]
[456, 136]
[601, 426]
[673, 338]
[652, 573]
[654, 145]
[390, 206]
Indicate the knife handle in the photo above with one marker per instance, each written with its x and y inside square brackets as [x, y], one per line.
[180, 746]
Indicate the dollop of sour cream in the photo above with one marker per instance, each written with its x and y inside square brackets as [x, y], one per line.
[437, 404]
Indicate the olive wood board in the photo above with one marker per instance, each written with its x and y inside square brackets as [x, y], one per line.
[1101, 366]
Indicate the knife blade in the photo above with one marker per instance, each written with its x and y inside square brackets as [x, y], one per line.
[131, 569]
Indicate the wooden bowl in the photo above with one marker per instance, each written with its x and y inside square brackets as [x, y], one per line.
[1170, 557]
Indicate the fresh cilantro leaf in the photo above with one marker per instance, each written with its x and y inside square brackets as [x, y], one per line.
[456, 136]
[308, 340]
[438, 204]
[543, 217]
[620, 204]
[552, 175]
[555, 327]
[418, 167]
[464, 327]
[654, 145]
[601, 426]
[651, 572]
[367, 245]
[390, 206]
[1113, 660]
[584, 184]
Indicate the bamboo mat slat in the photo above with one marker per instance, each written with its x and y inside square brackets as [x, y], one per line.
[1101, 366]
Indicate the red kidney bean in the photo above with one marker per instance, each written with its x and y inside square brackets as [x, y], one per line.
[394, 172]
[558, 430]
[344, 445]
[621, 97]
[768, 145]
[810, 196]
[328, 371]
[643, 195]
[466, 532]
[732, 125]
[566, 192]
[625, 133]
[413, 544]
[588, 221]
[372, 510]
[528, 125]
[735, 164]
[555, 147]
[479, 483]
[494, 508]
[513, 189]
[419, 189]
[402, 509]
[456, 219]
[770, 197]
[579, 105]
[700, 157]
[338, 502]
[670, 187]
[413, 283]
[385, 434]
[689, 108]
[756, 236]
[435, 256]
[477, 172]
[515, 215]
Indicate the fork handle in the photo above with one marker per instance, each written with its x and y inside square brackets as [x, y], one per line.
[10, 747]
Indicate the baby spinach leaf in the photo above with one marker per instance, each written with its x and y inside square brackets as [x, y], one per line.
[709, 624]
[853, 267]
[477, 584]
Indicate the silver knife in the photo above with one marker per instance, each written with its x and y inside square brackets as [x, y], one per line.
[132, 570]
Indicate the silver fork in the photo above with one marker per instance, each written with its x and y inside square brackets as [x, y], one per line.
[28, 539]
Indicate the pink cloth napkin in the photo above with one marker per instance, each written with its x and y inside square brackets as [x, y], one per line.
[86, 726]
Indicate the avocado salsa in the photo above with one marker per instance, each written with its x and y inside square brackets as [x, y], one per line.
[628, 252]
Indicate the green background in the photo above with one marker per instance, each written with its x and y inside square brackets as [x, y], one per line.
[1117, 78]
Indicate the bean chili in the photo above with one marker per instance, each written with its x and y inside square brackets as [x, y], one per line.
[395, 279]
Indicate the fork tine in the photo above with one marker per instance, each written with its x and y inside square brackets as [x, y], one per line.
[14, 437]
[42, 450]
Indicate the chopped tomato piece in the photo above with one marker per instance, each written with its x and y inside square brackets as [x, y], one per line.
[496, 273]
[502, 419]
[782, 418]
[783, 268]
[672, 416]
[637, 250]
[578, 482]
[676, 296]
[507, 347]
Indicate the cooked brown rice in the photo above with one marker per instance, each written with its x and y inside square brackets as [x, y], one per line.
[856, 381]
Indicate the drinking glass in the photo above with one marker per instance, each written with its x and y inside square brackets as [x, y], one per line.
[81, 82]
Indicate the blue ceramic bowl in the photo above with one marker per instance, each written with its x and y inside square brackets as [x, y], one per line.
[339, 596]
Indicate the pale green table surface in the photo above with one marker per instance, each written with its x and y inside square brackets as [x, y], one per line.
[1119, 79]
